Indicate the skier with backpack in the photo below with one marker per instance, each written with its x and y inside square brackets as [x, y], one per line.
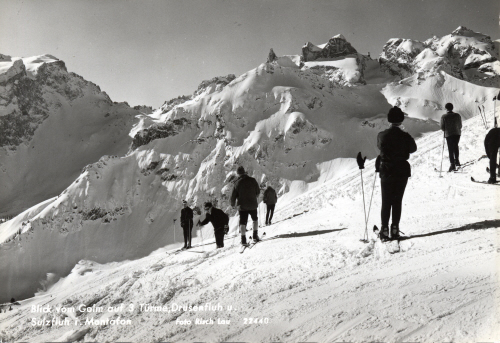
[270, 199]
[395, 147]
[219, 220]
[245, 192]
[451, 124]
[187, 224]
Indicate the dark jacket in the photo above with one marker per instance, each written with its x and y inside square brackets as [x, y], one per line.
[187, 217]
[270, 196]
[451, 124]
[492, 141]
[395, 147]
[246, 190]
[218, 219]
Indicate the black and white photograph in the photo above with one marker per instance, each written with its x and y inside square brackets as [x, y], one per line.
[252, 171]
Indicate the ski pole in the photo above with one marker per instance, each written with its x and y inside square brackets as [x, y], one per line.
[442, 155]
[495, 111]
[174, 230]
[370, 207]
[485, 120]
[361, 165]
[364, 207]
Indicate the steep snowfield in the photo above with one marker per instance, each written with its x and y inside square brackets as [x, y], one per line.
[283, 124]
[425, 98]
[52, 124]
[311, 279]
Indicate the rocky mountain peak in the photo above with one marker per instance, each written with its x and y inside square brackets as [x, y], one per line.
[462, 31]
[337, 46]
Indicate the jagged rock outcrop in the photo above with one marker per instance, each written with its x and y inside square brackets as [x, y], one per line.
[213, 85]
[271, 57]
[337, 46]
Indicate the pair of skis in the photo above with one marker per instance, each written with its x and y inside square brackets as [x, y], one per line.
[459, 169]
[250, 245]
[483, 117]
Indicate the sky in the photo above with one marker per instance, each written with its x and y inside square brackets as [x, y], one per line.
[150, 51]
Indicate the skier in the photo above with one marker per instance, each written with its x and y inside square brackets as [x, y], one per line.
[270, 199]
[219, 221]
[451, 124]
[186, 224]
[395, 147]
[245, 191]
[491, 145]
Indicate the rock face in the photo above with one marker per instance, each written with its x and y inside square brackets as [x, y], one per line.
[52, 123]
[337, 46]
[464, 54]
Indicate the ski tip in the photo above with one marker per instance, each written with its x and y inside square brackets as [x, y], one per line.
[472, 179]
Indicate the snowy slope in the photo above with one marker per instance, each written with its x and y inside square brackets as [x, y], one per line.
[312, 279]
[52, 124]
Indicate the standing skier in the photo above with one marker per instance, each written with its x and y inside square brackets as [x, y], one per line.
[395, 147]
[219, 221]
[270, 199]
[451, 124]
[245, 191]
[186, 224]
[491, 145]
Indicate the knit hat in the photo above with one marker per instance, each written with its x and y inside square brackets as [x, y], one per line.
[240, 170]
[184, 202]
[208, 205]
[395, 115]
[449, 106]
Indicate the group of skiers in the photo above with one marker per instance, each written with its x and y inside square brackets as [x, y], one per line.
[395, 147]
[244, 197]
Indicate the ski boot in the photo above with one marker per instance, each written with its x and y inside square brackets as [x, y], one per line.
[384, 233]
[255, 234]
[457, 163]
[452, 168]
[492, 180]
[395, 231]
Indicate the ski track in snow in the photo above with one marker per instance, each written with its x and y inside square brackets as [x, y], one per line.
[315, 280]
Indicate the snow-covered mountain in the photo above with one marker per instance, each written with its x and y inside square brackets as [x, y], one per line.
[464, 54]
[52, 124]
[311, 280]
[295, 121]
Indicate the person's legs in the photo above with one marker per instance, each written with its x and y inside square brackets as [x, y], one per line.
[219, 237]
[255, 220]
[399, 186]
[456, 152]
[449, 144]
[243, 226]
[271, 209]
[385, 213]
[267, 213]
[185, 233]
[493, 165]
[190, 235]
